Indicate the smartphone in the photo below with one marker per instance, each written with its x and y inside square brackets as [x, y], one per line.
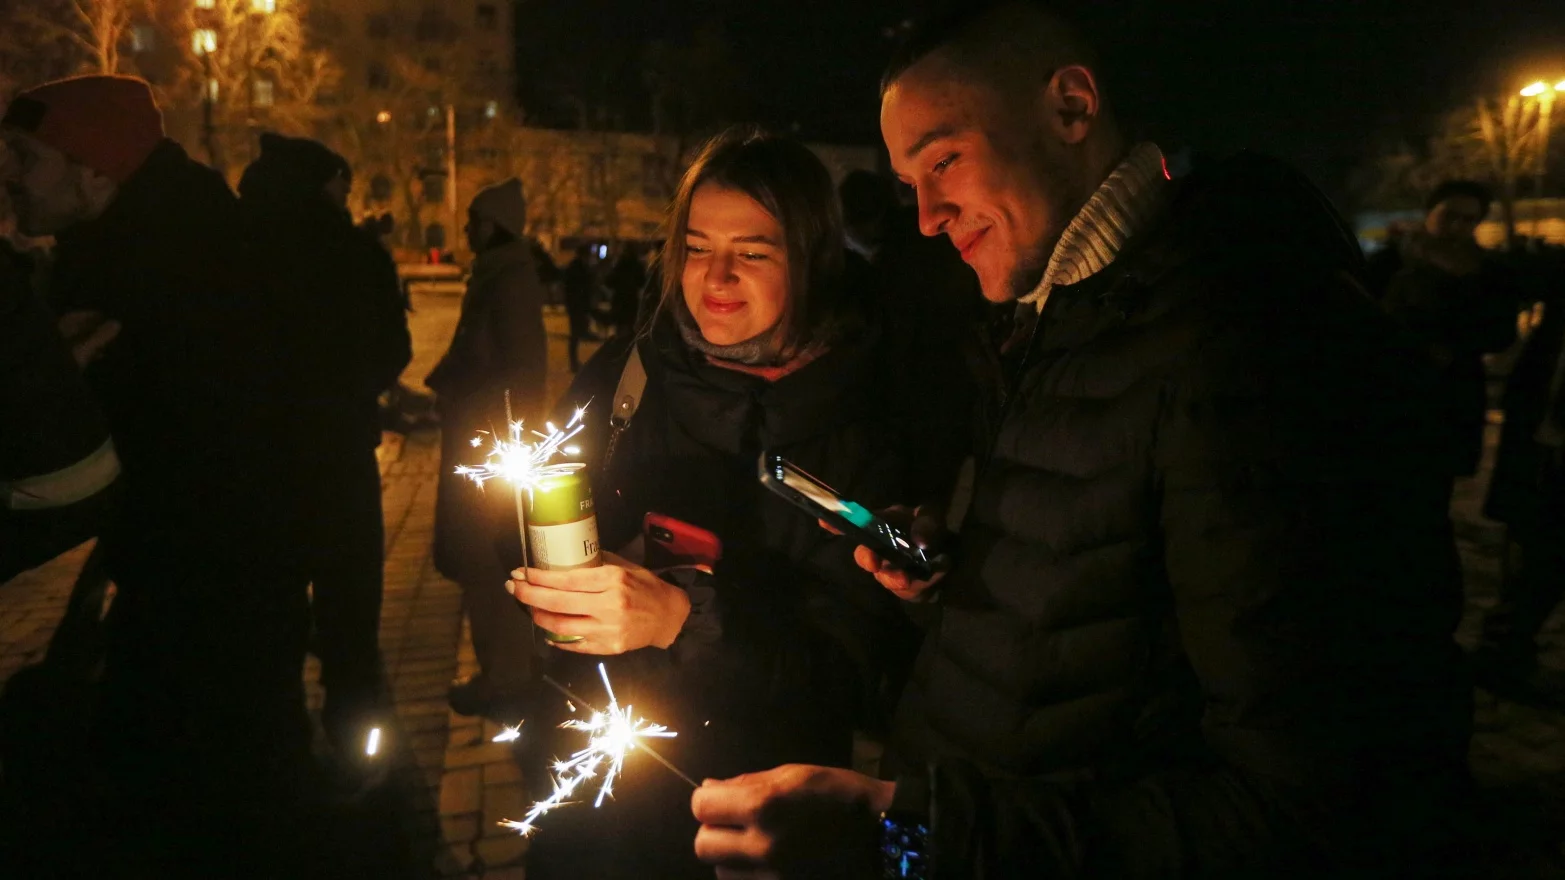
[849, 517]
[671, 542]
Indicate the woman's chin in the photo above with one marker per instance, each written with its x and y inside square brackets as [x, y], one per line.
[720, 336]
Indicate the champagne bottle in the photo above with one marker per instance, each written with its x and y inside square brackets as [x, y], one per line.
[562, 528]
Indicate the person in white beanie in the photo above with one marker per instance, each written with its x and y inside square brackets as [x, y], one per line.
[499, 347]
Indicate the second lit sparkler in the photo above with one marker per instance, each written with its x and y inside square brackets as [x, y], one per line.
[611, 734]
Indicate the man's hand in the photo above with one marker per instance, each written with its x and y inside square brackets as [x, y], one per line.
[793, 821]
[88, 333]
[616, 607]
[927, 530]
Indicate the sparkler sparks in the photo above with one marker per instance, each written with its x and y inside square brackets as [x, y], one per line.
[525, 464]
[611, 734]
[510, 734]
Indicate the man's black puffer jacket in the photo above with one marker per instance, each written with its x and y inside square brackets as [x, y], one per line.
[1201, 620]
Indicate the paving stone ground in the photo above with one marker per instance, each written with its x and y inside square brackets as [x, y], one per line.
[451, 785]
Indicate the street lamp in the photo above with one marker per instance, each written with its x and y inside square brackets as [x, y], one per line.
[1545, 95]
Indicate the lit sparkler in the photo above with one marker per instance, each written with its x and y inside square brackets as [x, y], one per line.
[525, 465]
[510, 734]
[611, 734]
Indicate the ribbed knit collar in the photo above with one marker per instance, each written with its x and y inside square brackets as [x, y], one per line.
[1119, 209]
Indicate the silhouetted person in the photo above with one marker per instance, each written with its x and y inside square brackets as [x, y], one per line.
[204, 731]
[867, 202]
[338, 293]
[626, 281]
[499, 347]
[581, 284]
[1460, 304]
[1527, 493]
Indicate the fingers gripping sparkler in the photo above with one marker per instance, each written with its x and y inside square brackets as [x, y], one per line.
[611, 734]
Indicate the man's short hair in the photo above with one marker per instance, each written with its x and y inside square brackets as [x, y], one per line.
[1460, 189]
[984, 35]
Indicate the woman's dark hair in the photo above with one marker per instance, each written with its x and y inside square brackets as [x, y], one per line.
[786, 179]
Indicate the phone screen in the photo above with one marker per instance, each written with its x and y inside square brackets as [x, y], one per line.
[852, 512]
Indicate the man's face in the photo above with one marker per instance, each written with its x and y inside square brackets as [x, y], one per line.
[1455, 218]
[992, 179]
[47, 190]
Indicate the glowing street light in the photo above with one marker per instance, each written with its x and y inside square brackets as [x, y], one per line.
[1545, 95]
[383, 117]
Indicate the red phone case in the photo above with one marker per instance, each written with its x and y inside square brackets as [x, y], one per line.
[671, 542]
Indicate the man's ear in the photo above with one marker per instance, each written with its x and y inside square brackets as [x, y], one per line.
[1072, 103]
[97, 191]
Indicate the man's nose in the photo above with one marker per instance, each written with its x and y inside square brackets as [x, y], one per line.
[934, 211]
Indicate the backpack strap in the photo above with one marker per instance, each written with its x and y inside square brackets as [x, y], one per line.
[627, 399]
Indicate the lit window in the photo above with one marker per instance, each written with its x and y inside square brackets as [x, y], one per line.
[142, 38]
[211, 90]
[491, 109]
[433, 111]
[203, 41]
[265, 7]
[264, 93]
[206, 4]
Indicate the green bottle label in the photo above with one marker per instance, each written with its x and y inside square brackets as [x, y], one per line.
[562, 529]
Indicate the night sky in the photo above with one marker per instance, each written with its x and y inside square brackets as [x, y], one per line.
[1314, 81]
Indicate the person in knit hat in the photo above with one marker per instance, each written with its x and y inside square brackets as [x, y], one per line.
[72, 144]
[202, 703]
[499, 347]
[339, 292]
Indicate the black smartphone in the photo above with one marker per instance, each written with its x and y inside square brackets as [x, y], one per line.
[849, 517]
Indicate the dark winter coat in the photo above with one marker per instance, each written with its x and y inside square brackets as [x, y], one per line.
[339, 298]
[581, 287]
[1466, 317]
[53, 438]
[1513, 487]
[499, 346]
[787, 644]
[1200, 620]
[184, 383]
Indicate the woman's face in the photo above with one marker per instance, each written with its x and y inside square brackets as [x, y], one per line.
[736, 266]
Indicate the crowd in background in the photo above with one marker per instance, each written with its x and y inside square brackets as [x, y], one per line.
[1184, 454]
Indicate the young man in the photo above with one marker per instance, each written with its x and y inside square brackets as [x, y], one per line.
[1200, 616]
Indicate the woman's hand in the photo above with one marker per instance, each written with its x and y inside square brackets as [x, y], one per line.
[616, 607]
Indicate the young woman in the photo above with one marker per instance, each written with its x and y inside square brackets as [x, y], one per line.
[759, 341]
